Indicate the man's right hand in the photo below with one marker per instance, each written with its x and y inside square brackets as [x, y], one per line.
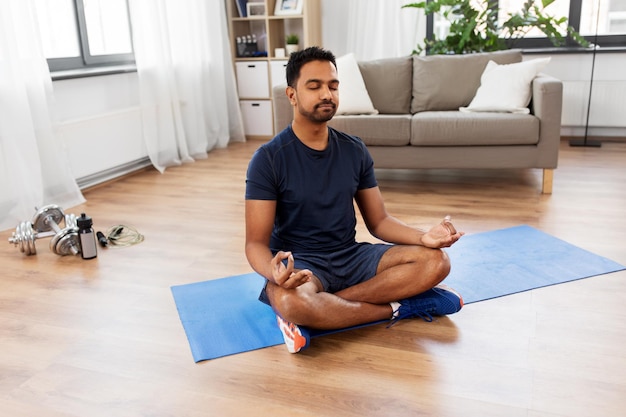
[287, 276]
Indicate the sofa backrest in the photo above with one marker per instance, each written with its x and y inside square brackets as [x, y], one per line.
[393, 94]
[413, 84]
[447, 82]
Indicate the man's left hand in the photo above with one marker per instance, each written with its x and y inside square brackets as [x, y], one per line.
[442, 235]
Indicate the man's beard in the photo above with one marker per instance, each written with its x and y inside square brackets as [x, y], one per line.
[319, 116]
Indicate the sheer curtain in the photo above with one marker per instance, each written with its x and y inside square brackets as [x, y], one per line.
[34, 170]
[188, 94]
[383, 29]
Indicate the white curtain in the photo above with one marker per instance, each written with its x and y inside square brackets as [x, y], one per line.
[188, 94]
[383, 29]
[34, 169]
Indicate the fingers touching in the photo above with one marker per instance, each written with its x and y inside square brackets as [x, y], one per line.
[287, 276]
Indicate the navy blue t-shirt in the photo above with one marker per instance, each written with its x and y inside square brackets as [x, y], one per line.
[313, 190]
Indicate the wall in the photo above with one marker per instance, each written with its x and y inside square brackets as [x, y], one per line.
[607, 112]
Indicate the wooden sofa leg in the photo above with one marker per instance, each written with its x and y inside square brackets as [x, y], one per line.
[548, 175]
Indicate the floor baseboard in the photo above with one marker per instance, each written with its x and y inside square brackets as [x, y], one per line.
[113, 174]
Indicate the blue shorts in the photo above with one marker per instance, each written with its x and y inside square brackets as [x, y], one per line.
[342, 269]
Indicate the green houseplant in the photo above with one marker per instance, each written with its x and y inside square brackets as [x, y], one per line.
[291, 42]
[292, 39]
[474, 26]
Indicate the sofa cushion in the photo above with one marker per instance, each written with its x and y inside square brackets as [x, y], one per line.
[353, 95]
[506, 88]
[455, 128]
[447, 82]
[393, 95]
[385, 129]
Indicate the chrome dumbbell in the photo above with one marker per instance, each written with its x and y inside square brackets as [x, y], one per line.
[24, 237]
[27, 232]
[66, 241]
[45, 223]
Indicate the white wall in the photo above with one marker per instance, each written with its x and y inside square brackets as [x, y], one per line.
[334, 26]
[607, 111]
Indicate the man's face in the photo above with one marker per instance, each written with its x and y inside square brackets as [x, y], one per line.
[316, 95]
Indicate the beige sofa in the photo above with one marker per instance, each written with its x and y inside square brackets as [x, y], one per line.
[419, 124]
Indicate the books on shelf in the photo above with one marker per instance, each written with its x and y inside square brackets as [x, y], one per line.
[242, 7]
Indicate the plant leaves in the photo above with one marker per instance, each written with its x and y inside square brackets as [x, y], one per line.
[474, 26]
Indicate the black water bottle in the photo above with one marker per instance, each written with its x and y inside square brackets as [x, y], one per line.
[88, 249]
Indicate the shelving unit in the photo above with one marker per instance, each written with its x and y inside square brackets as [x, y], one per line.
[258, 68]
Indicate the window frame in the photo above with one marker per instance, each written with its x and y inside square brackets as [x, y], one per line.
[573, 20]
[86, 60]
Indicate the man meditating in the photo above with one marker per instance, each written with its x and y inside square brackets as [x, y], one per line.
[300, 223]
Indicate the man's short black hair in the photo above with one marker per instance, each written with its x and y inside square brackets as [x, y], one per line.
[298, 59]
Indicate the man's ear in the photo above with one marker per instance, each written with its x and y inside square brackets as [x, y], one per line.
[291, 94]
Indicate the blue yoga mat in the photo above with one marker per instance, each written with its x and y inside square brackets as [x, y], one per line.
[223, 316]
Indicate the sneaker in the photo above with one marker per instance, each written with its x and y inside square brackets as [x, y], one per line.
[438, 301]
[296, 337]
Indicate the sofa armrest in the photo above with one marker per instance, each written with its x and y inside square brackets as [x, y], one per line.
[547, 102]
[283, 112]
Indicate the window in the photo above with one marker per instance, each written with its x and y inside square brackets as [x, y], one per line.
[608, 17]
[84, 33]
[508, 7]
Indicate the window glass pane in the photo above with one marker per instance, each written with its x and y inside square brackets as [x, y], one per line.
[441, 26]
[558, 9]
[107, 27]
[58, 28]
[611, 19]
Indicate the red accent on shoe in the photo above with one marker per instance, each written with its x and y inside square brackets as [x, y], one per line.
[294, 338]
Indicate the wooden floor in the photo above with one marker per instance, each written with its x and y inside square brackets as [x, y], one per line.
[103, 338]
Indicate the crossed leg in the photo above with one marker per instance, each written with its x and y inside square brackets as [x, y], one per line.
[403, 271]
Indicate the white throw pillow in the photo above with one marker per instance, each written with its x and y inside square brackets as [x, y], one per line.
[353, 95]
[506, 88]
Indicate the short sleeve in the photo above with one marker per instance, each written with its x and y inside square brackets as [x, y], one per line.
[260, 178]
[368, 176]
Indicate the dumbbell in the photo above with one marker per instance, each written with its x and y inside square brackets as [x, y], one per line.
[45, 223]
[24, 237]
[27, 232]
[66, 241]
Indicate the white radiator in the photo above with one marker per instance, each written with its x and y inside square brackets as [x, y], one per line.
[608, 104]
[96, 144]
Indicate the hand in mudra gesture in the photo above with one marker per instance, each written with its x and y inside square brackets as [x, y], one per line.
[442, 235]
[285, 275]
